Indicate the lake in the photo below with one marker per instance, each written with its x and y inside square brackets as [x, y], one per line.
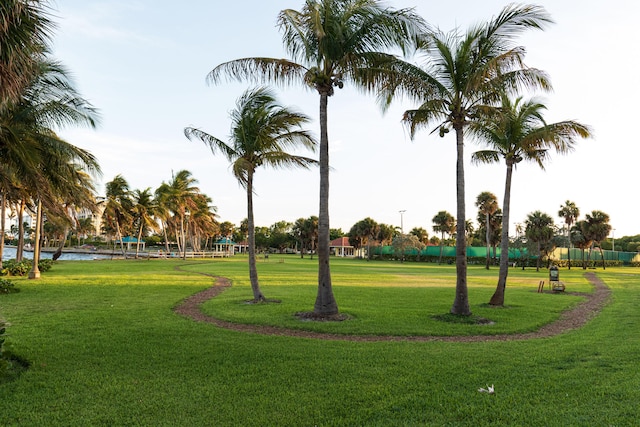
[10, 253]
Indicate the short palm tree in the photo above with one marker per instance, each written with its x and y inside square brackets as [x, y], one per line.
[261, 130]
[518, 132]
[596, 229]
[463, 77]
[487, 204]
[331, 42]
[570, 213]
[539, 229]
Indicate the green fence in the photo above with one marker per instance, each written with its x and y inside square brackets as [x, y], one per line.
[514, 254]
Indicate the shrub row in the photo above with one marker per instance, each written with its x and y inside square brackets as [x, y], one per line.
[13, 268]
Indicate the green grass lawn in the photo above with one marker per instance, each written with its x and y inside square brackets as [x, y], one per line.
[105, 348]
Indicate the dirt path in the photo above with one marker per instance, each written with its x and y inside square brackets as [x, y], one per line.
[569, 320]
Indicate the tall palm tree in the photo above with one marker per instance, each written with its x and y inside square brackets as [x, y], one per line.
[539, 229]
[519, 132]
[48, 170]
[261, 131]
[487, 204]
[464, 76]
[331, 42]
[444, 223]
[570, 213]
[597, 229]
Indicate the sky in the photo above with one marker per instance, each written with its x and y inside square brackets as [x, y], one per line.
[143, 64]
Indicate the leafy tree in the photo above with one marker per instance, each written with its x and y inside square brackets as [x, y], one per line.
[539, 229]
[261, 131]
[331, 42]
[406, 242]
[443, 223]
[570, 213]
[487, 204]
[363, 233]
[519, 132]
[464, 76]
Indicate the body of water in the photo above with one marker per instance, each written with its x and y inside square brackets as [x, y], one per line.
[10, 253]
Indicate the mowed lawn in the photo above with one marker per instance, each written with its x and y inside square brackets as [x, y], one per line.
[106, 349]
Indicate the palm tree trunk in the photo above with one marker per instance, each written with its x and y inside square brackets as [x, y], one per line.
[569, 245]
[488, 238]
[498, 296]
[138, 242]
[602, 255]
[325, 301]
[3, 212]
[20, 245]
[35, 271]
[461, 301]
[253, 271]
[119, 236]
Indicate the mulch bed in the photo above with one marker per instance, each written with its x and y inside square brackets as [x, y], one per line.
[569, 320]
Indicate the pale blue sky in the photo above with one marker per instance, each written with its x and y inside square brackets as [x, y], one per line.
[143, 63]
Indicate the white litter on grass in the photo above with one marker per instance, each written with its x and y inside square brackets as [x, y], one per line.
[489, 389]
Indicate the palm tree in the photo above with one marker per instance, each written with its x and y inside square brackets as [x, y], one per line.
[333, 42]
[182, 195]
[570, 213]
[487, 204]
[444, 223]
[539, 229]
[117, 211]
[25, 32]
[45, 169]
[518, 132]
[580, 239]
[421, 234]
[143, 210]
[261, 130]
[465, 75]
[597, 229]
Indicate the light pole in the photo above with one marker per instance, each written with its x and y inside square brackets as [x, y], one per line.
[401, 221]
[613, 239]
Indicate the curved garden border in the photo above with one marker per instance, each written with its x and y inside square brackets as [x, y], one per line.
[569, 319]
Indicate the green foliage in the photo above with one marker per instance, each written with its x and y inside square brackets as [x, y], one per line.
[3, 363]
[7, 287]
[13, 268]
[45, 264]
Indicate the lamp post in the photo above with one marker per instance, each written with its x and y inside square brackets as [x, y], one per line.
[401, 221]
[613, 239]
